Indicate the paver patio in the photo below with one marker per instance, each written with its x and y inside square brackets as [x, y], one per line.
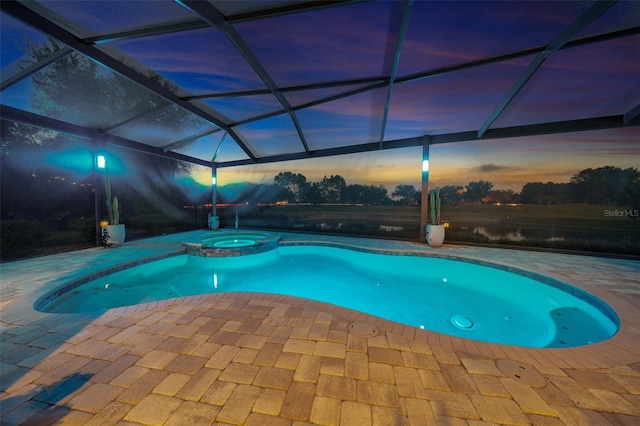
[262, 359]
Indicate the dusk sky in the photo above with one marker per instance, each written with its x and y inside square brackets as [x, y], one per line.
[508, 164]
[358, 41]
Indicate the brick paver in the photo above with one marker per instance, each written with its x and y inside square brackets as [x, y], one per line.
[259, 359]
[337, 387]
[269, 401]
[298, 402]
[489, 385]
[325, 411]
[381, 394]
[330, 350]
[308, 369]
[499, 410]
[95, 397]
[157, 359]
[192, 413]
[239, 373]
[154, 409]
[273, 377]
[142, 387]
[527, 398]
[238, 406]
[356, 365]
[171, 384]
[353, 413]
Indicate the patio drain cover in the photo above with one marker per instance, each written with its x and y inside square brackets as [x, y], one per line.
[363, 329]
[525, 374]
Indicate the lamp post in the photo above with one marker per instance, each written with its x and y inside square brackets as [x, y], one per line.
[424, 204]
[214, 219]
[100, 164]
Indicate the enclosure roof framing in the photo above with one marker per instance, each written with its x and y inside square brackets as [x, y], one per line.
[560, 40]
[598, 123]
[50, 28]
[406, 10]
[305, 79]
[214, 17]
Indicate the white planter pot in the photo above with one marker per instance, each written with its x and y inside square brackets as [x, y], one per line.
[115, 235]
[435, 235]
[214, 222]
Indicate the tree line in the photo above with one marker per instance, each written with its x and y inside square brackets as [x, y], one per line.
[603, 185]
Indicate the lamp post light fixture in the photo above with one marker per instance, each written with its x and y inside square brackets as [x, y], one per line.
[101, 161]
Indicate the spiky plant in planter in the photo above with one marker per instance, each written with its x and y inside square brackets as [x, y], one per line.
[435, 230]
[114, 233]
[434, 203]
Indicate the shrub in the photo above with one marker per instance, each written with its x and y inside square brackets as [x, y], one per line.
[17, 235]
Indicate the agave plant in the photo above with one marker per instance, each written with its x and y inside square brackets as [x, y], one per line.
[434, 204]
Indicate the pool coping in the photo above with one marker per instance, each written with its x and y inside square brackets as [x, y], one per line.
[621, 349]
[268, 243]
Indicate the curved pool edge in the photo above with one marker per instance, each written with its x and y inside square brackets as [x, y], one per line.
[69, 285]
[591, 299]
[603, 277]
[544, 278]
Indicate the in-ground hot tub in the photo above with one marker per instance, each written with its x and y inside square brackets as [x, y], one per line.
[228, 243]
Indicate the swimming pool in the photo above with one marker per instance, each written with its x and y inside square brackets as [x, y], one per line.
[454, 297]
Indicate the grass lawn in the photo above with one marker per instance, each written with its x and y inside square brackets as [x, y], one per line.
[565, 226]
[583, 216]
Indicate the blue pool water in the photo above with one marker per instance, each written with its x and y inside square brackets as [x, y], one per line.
[453, 297]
